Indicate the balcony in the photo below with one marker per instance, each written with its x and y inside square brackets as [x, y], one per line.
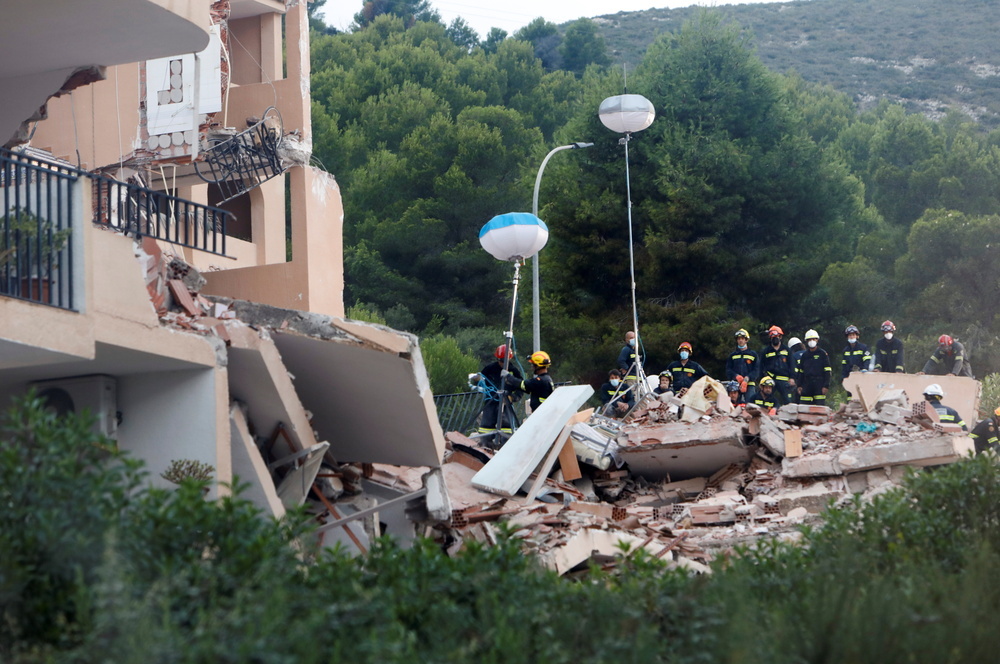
[42, 207]
[37, 250]
[239, 162]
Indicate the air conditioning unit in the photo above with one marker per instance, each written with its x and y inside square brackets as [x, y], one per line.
[97, 393]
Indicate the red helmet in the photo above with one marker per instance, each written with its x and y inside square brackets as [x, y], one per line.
[888, 326]
[945, 340]
[684, 346]
[775, 331]
[502, 351]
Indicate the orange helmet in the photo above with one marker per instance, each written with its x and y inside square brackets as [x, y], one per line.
[502, 352]
[775, 331]
[945, 340]
[684, 345]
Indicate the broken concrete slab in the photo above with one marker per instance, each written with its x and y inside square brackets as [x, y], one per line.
[679, 450]
[814, 498]
[961, 393]
[927, 452]
[520, 455]
[814, 465]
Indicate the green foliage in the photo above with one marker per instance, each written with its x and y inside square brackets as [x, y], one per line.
[62, 488]
[448, 368]
[188, 469]
[583, 46]
[989, 400]
[96, 568]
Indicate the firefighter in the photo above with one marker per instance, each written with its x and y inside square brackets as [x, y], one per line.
[540, 386]
[933, 394]
[949, 359]
[489, 382]
[627, 359]
[743, 364]
[685, 371]
[736, 397]
[889, 350]
[813, 372]
[856, 354]
[775, 361]
[615, 400]
[985, 434]
[765, 396]
[664, 386]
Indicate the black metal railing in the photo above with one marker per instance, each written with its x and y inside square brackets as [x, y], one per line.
[36, 230]
[458, 412]
[139, 211]
[243, 161]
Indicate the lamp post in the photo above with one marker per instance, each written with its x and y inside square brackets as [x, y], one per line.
[626, 114]
[536, 325]
[512, 237]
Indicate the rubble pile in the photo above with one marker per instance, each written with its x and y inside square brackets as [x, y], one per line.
[688, 487]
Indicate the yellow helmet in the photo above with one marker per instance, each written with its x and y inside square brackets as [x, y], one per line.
[540, 359]
[767, 380]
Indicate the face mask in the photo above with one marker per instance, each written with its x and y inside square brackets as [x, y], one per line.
[852, 339]
[741, 346]
[888, 335]
[614, 382]
[776, 341]
[812, 343]
[684, 355]
[631, 342]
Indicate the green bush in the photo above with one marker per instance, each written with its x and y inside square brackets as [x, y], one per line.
[448, 368]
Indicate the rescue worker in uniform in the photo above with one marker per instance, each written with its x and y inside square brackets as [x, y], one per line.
[986, 434]
[540, 387]
[743, 364]
[933, 394]
[949, 359]
[856, 354]
[735, 396]
[889, 350]
[490, 384]
[626, 364]
[765, 396]
[685, 371]
[615, 401]
[813, 372]
[664, 386]
[795, 350]
[775, 361]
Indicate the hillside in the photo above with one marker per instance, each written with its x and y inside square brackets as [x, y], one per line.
[931, 55]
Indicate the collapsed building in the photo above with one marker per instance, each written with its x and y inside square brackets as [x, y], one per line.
[172, 262]
[688, 479]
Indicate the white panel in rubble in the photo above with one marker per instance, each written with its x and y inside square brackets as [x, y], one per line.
[210, 74]
[170, 94]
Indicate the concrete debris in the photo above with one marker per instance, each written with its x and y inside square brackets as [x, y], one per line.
[691, 489]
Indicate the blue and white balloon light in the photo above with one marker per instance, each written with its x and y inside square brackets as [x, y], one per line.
[514, 236]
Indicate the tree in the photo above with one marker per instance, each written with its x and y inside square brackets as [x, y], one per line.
[410, 11]
[493, 39]
[462, 34]
[545, 40]
[583, 45]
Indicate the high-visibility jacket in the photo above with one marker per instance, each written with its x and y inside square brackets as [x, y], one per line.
[767, 402]
[540, 388]
[985, 435]
[889, 355]
[953, 361]
[776, 363]
[744, 363]
[626, 362]
[683, 374]
[856, 357]
[948, 414]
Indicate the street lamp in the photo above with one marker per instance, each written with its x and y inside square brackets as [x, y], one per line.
[626, 114]
[536, 325]
[512, 237]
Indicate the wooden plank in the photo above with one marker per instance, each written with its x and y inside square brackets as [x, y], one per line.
[568, 462]
[793, 443]
[507, 471]
[543, 472]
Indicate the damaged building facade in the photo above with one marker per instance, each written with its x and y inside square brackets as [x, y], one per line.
[151, 150]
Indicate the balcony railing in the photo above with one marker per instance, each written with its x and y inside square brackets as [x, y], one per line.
[139, 211]
[240, 162]
[36, 230]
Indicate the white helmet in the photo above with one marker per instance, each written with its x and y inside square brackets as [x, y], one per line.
[794, 341]
[933, 390]
[811, 334]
